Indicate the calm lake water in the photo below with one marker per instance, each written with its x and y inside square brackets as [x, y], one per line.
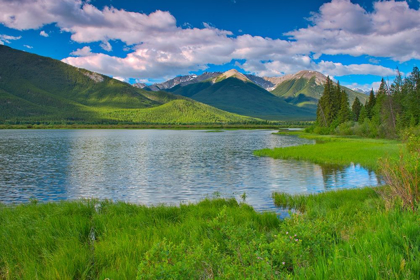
[159, 166]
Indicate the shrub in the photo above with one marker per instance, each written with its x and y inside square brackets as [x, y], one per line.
[322, 130]
[345, 128]
[403, 175]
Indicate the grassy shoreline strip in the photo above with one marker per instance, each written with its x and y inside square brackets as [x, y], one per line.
[337, 150]
[142, 126]
[346, 234]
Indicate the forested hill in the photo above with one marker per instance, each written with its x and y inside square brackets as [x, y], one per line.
[40, 89]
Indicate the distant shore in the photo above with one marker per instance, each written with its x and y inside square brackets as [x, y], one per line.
[150, 126]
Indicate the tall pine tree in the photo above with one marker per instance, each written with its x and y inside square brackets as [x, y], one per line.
[370, 104]
[344, 114]
[356, 108]
[324, 109]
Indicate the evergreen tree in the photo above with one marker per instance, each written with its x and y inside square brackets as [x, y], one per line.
[363, 114]
[324, 110]
[336, 102]
[413, 97]
[344, 114]
[356, 108]
[393, 108]
[370, 104]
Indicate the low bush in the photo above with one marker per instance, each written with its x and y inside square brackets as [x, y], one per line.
[403, 175]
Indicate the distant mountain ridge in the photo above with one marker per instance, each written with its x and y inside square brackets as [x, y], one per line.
[179, 80]
[267, 83]
[234, 92]
[35, 89]
[302, 89]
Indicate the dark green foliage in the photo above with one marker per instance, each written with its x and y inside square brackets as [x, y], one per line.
[244, 98]
[371, 102]
[344, 114]
[329, 105]
[363, 114]
[393, 109]
[356, 108]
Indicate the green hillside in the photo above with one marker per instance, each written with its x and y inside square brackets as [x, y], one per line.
[40, 89]
[305, 92]
[176, 112]
[244, 98]
[190, 90]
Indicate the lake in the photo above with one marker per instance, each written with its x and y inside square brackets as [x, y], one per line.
[159, 166]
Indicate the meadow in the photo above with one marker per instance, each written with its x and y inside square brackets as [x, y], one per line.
[347, 234]
[337, 150]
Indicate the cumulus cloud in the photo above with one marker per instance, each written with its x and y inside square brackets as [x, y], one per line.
[43, 33]
[366, 88]
[159, 48]
[341, 27]
[296, 63]
[106, 46]
[85, 51]
[7, 38]
[28, 47]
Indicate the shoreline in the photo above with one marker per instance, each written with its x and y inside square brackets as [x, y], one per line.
[337, 234]
[336, 150]
[150, 126]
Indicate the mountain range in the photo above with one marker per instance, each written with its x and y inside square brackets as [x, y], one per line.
[40, 89]
[302, 90]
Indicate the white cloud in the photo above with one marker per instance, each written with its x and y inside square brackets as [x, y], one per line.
[43, 33]
[294, 64]
[364, 87]
[120, 79]
[85, 51]
[160, 48]
[28, 47]
[341, 27]
[338, 69]
[106, 46]
[7, 38]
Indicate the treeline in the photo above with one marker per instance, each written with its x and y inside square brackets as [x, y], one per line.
[385, 114]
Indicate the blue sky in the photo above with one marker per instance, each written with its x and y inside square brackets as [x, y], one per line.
[356, 42]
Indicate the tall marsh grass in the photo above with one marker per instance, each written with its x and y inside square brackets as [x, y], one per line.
[347, 234]
[403, 175]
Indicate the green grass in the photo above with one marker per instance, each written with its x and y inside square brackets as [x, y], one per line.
[348, 234]
[53, 241]
[337, 150]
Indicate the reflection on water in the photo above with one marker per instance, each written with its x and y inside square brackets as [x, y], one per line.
[159, 166]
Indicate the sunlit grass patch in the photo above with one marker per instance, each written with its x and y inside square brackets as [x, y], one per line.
[338, 150]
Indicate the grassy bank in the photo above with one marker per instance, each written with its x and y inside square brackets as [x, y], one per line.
[337, 235]
[55, 241]
[350, 234]
[337, 150]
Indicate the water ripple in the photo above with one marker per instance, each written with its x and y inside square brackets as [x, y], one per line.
[159, 166]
